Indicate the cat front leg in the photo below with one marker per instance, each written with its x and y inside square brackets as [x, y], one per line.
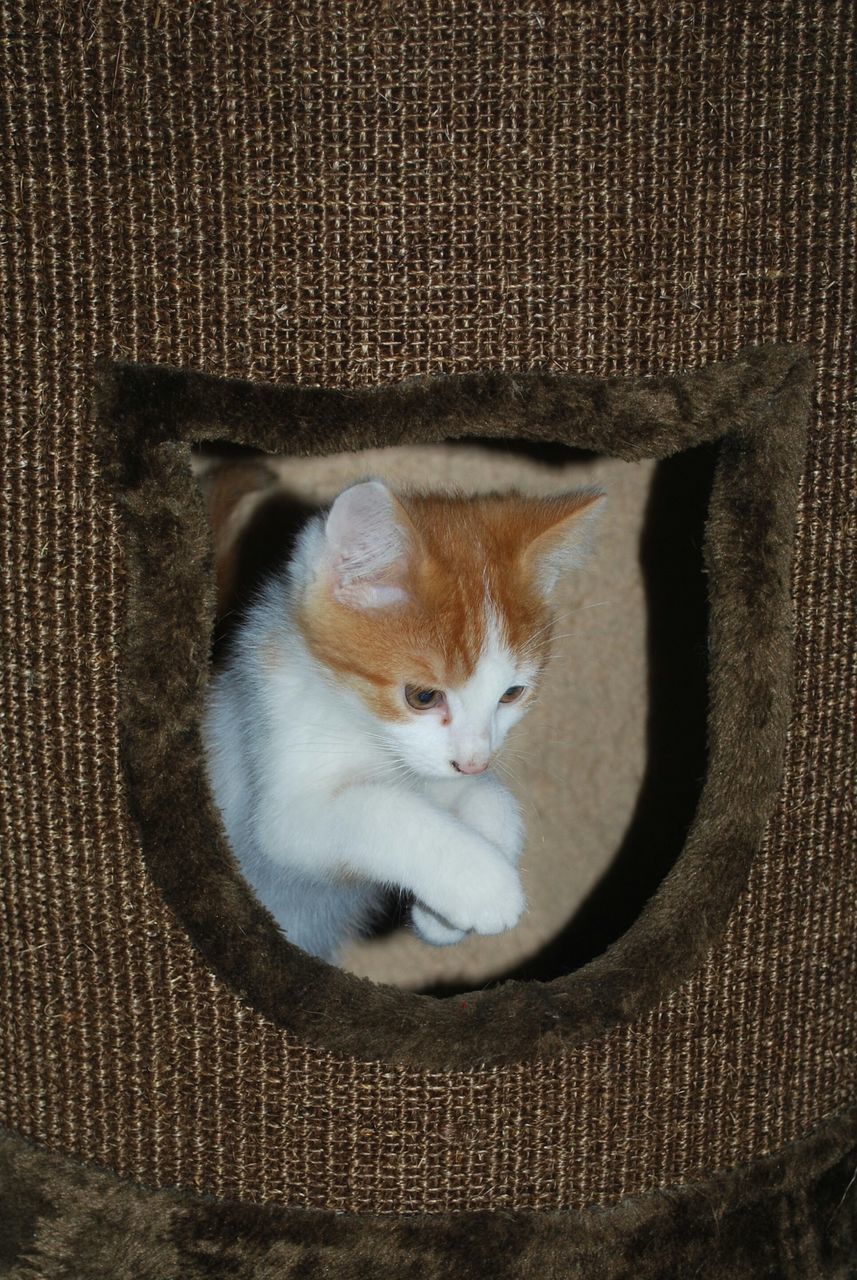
[395, 837]
[484, 804]
[489, 807]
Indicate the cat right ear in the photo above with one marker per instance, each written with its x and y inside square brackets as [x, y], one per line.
[564, 527]
[369, 541]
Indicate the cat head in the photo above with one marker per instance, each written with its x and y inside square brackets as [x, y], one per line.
[435, 612]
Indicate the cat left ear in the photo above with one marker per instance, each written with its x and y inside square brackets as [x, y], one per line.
[369, 540]
[566, 532]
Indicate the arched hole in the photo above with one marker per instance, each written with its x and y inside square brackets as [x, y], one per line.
[609, 765]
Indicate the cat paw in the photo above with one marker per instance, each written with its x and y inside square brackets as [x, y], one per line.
[499, 910]
[487, 897]
[432, 929]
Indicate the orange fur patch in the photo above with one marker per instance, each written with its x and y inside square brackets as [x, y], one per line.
[465, 551]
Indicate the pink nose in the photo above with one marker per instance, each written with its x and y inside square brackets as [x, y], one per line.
[470, 768]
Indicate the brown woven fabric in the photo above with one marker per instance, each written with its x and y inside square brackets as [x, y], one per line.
[788, 1216]
[346, 194]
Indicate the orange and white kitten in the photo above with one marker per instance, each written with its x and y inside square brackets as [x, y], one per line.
[369, 687]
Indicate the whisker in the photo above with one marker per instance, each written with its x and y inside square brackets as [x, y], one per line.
[526, 802]
[594, 604]
[540, 768]
[566, 613]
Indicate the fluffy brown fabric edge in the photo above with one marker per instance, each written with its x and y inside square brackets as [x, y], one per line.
[756, 404]
[792, 1214]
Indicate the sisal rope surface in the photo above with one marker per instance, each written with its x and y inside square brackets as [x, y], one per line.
[354, 194]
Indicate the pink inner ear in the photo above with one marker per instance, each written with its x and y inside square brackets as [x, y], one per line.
[368, 546]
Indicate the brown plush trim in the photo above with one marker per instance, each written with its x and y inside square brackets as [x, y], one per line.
[789, 1216]
[755, 406]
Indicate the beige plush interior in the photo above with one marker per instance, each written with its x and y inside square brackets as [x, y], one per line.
[578, 760]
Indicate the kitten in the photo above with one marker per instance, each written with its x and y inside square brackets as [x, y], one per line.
[368, 688]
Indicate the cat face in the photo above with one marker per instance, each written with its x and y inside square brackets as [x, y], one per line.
[434, 612]
[458, 727]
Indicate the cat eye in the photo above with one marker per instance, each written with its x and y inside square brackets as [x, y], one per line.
[422, 699]
[513, 693]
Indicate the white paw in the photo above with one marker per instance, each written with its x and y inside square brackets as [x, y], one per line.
[500, 909]
[486, 895]
[432, 929]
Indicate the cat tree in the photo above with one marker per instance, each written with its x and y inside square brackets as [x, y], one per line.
[316, 229]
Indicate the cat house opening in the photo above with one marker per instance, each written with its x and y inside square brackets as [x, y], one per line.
[748, 415]
[608, 765]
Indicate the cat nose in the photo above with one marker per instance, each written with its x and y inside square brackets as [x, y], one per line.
[471, 767]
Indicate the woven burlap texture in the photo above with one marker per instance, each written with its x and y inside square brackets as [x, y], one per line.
[352, 194]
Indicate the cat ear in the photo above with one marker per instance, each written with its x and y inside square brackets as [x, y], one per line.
[368, 539]
[565, 531]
